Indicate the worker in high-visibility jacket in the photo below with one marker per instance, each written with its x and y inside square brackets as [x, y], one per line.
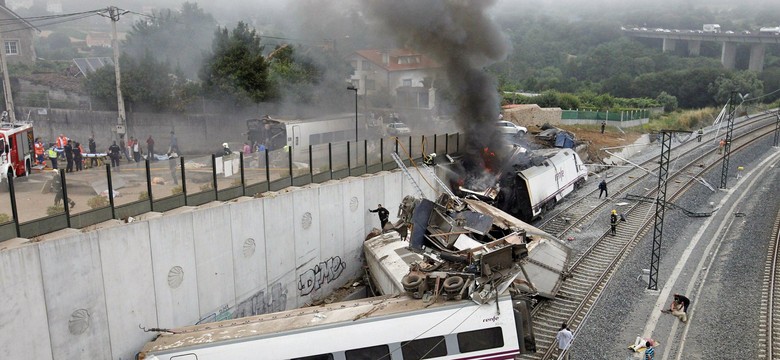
[52, 157]
[62, 140]
[38, 151]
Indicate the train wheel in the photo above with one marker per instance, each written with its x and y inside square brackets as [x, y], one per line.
[411, 282]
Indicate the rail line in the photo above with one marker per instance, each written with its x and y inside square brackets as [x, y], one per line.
[581, 210]
[590, 273]
[770, 299]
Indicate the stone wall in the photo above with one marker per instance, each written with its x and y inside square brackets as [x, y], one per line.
[197, 134]
[84, 293]
[532, 116]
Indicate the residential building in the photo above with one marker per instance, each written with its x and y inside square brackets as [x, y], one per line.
[408, 75]
[98, 40]
[17, 36]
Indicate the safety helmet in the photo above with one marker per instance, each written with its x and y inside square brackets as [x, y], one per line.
[614, 211]
[224, 144]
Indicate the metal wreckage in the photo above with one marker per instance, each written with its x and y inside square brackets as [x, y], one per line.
[463, 248]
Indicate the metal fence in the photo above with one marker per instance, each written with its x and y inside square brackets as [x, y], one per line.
[623, 115]
[101, 192]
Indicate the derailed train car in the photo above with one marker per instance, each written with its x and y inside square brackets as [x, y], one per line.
[536, 184]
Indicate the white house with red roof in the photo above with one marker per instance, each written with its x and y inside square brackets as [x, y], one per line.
[408, 75]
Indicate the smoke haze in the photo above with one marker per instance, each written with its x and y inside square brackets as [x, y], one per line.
[463, 39]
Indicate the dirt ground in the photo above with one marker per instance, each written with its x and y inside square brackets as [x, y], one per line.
[592, 136]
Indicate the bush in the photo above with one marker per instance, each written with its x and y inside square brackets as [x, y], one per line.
[55, 210]
[97, 202]
[207, 187]
[143, 196]
[176, 190]
[4, 218]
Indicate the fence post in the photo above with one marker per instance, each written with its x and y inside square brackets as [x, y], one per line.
[457, 142]
[435, 138]
[183, 180]
[65, 196]
[447, 143]
[311, 163]
[365, 156]
[382, 153]
[214, 175]
[241, 168]
[290, 163]
[149, 186]
[14, 210]
[110, 191]
[349, 160]
[330, 159]
[267, 169]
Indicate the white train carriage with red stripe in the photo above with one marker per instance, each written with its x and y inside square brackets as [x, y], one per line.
[392, 328]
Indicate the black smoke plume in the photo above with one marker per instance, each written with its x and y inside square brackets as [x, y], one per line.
[463, 39]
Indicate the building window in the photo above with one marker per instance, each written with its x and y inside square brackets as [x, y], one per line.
[12, 47]
[370, 84]
[366, 65]
[356, 83]
[354, 64]
[407, 82]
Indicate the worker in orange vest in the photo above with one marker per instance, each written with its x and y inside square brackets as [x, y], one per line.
[38, 151]
[62, 140]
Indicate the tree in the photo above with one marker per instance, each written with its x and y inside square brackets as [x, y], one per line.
[669, 102]
[236, 68]
[177, 37]
[743, 82]
[145, 83]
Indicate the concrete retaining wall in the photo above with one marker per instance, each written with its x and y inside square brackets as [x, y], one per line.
[74, 294]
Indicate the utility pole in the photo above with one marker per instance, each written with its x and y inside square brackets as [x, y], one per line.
[114, 13]
[9, 99]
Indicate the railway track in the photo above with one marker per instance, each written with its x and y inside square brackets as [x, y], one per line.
[578, 213]
[770, 299]
[590, 273]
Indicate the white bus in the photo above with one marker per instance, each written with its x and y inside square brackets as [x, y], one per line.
[391, 328]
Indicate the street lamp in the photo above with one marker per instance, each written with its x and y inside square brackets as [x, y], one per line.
[355, 89]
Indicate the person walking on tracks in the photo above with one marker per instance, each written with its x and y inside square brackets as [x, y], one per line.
[721, 145]
[699, 134]
[384, 215]
[564, 339]
[603, 189]
[603, 125]
[613, 220]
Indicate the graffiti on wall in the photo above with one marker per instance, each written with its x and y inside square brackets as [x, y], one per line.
[271, 299]
[321, 274]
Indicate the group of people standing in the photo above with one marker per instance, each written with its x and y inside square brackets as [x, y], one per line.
[71, 150]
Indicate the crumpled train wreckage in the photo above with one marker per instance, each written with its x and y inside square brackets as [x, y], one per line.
[459, 248]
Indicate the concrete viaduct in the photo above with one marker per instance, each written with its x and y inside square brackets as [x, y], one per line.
[757, 43]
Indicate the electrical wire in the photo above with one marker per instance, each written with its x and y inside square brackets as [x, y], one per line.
[63, 18]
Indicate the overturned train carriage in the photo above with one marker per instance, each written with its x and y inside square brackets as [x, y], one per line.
[527, 193]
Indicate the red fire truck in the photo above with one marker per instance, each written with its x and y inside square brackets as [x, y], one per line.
[16, 150]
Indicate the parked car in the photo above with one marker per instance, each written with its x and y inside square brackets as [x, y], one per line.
[508, 127]
[397, 129]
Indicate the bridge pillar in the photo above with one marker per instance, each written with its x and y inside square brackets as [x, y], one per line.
[757, 57]
[669, 44]
[728, 55]
[694, 47]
